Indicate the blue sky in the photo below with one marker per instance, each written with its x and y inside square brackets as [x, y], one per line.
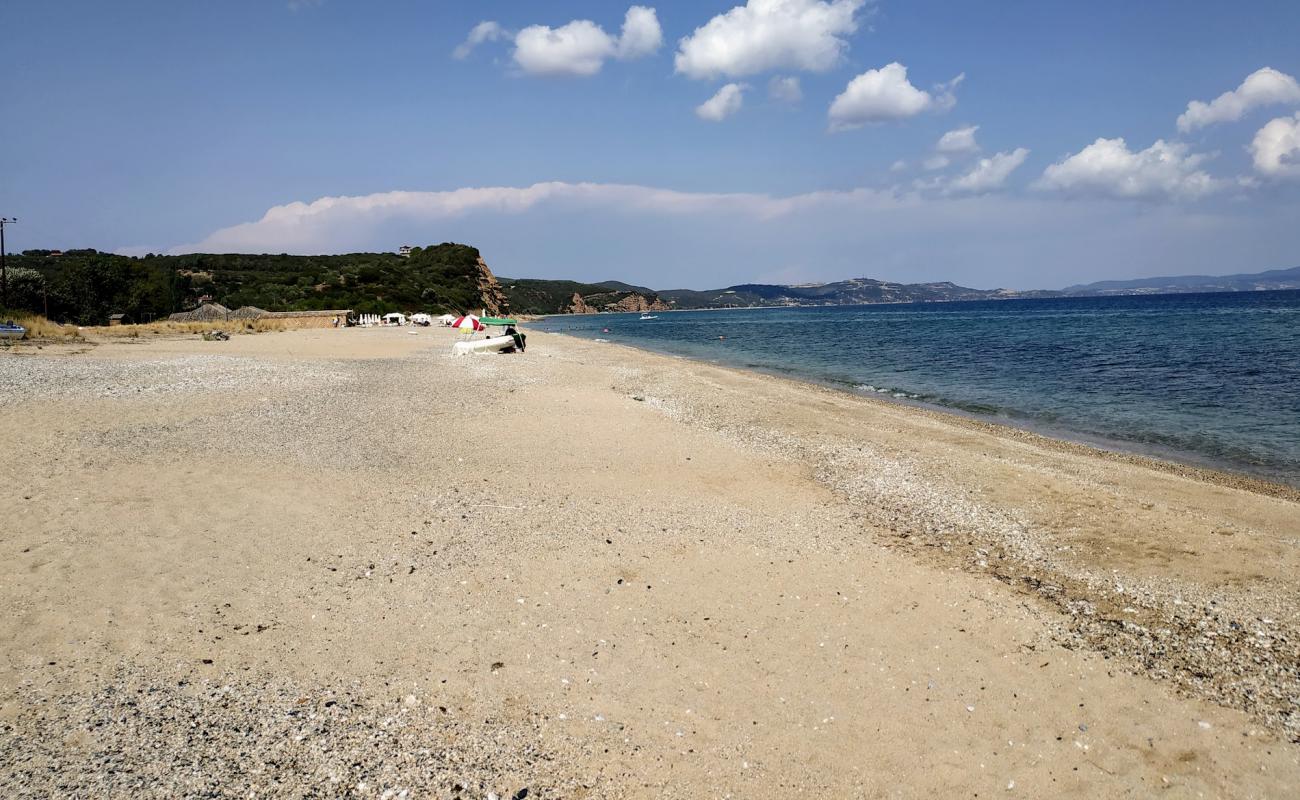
[592, 150]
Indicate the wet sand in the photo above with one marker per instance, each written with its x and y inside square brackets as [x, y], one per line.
[344, 562]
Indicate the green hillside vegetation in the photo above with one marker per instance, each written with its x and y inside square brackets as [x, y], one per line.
[86, 286]
[626, 288]
[537, 296]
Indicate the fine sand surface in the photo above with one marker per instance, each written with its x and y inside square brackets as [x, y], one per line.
[342, 562]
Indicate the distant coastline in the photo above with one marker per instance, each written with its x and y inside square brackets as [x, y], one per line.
[540, 296]
[957, 301]
[454, 278]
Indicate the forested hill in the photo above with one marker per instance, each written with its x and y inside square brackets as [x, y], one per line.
[86, 286]
[537, 296]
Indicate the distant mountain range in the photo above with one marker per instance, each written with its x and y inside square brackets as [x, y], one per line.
[1249, 282]
[855, 291]
[559, 297]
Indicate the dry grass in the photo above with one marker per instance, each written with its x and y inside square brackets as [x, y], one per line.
[39, 327]
[168, 328]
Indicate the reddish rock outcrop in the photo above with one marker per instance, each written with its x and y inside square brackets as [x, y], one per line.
[635, 302]
[615, 303]
[579, 306]
[494, 297]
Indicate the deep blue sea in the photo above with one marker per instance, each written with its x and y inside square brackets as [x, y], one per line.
[1210, 379]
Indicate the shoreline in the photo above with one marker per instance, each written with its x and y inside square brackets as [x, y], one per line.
[1162, 459]
[934, 302]
[1098, 615]
[610, 562]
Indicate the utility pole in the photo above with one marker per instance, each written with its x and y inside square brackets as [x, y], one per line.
[4, 275]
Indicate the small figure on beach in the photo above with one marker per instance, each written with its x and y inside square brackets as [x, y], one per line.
[520, 339]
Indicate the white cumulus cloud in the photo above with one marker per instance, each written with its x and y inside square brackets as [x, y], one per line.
[1276, 148]
[937, 161]
[1264, 87]
[1165, 170]
[960, 140]
[785, 90]
[885, 94]
[765, 35]
[485, 31]
[578, 48]
[988, 174]
[726, 102]
[582, 47]
[641, 35]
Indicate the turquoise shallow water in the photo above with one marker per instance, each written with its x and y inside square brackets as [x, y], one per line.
[1210, 379]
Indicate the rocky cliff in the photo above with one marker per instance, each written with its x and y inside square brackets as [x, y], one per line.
[494, 297]
[635, 302]
[534, 296]
[614, 303]
[579, 306]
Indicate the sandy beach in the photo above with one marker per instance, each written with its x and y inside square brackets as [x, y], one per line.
[343, 562]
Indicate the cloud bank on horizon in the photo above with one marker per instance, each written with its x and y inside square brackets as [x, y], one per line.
[298, 227]
[900, 233]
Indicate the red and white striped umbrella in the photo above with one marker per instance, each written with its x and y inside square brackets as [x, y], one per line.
[468, 322]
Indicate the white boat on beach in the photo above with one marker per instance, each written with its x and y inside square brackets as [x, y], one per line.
[12, 330]
[494, 344]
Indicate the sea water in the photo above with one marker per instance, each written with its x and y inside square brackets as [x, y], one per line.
[1210, 379]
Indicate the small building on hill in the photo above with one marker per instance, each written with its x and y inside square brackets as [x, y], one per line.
[117, 319]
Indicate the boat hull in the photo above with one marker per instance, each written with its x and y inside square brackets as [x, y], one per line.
[494, 345]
